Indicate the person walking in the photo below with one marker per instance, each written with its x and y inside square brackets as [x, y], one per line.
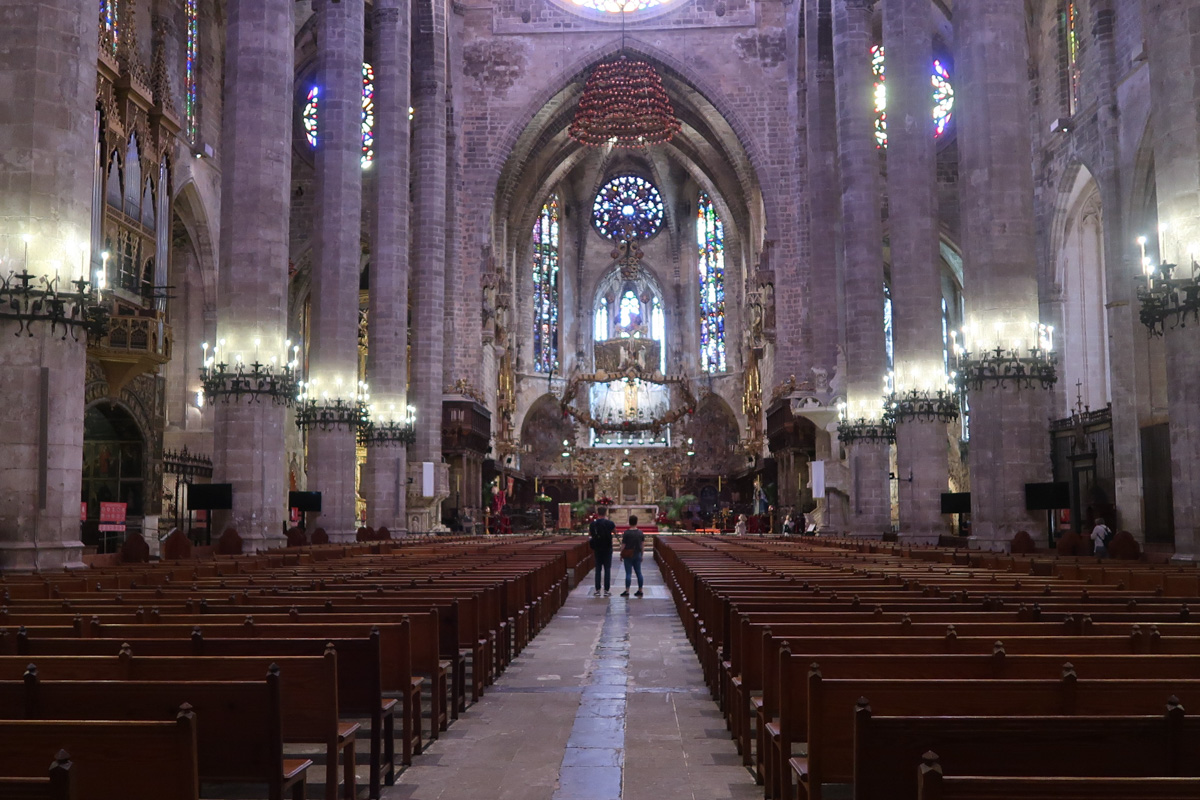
[1100, 536]
[632, 541]
[600, 536]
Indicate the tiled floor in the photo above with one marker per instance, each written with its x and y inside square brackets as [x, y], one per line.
[607, 703]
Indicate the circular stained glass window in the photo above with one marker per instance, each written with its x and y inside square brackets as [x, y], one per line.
[627, 207]
[617, 6]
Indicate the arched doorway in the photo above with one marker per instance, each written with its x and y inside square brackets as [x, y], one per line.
[114, 470]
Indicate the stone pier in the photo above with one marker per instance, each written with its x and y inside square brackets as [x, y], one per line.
[923, 470]
[1009, 444]
[333, 345]
[256, 158]
[48, 141]
[1173, 47]
[862, 238]
[384, 479]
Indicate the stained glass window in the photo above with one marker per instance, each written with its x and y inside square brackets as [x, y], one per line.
[368, 115]
[191, 65]
[888, 332]
[110, 24]
[617, 6]
[627, 207]
[601, 324]
[545, 288]
[311, 116]
[943, 96]
[629, 313]
[1069, 54]
[658, 331]
[710, 239]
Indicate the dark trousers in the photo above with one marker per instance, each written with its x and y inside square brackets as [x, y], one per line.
[604, 562]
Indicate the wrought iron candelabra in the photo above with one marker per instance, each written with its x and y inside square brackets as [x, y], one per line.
[1167, 298]
[916, 405]
[255, 381]
[392, 432]
[29, 299]
[1000, 366]
[867, 431]
[338, 412]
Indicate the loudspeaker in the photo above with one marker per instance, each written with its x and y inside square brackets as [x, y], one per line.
[1047, 496]
[956, 502]
[304, 501]
[210, 496]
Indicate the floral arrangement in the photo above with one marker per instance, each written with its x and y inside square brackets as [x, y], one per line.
[543, 498]
[604, 501]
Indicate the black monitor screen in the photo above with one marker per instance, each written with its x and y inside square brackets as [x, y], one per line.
[304, 501]
[1047, 496]
[956, 502]
[210, 497]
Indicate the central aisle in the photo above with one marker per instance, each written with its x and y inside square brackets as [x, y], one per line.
[607, 703]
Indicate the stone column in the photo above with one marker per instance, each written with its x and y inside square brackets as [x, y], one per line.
[384, 480]
[337, 249]
[1010, 443]
[862, 242]
[429, 242]
[47, 135]
[821, 114]
[923, 469]
[824, 318]
[1125, 331]
[1173, 46]
[256, 157]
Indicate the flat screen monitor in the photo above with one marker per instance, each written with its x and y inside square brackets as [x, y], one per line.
[304, 501]
[956, 502]
[210, 497]
[1047, 496]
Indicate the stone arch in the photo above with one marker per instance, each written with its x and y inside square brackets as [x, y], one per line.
[543, 429]
[1079, 276]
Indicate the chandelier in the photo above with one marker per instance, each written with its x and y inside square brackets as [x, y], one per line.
[624, 104]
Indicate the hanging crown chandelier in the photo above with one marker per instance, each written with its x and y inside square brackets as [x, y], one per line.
[624, 104]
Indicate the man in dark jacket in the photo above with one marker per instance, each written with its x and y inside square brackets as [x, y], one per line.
[600, 532]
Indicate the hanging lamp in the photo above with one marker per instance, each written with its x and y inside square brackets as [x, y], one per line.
[624, 104]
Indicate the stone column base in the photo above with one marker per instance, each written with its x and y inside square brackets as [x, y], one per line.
[26, 557]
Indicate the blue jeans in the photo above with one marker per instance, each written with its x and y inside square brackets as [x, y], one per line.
[633, 565]
[603, 562]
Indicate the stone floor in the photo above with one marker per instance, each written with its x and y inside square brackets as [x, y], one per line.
[607, 703]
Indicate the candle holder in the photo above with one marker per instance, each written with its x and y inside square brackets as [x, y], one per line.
[1000, 366]
[916, 405]
[332, 413]
[393, 432]
[867, 431]
[1166, 298]
[29, 299]
[255, 381]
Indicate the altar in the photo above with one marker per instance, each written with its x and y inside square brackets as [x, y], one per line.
[646, 515]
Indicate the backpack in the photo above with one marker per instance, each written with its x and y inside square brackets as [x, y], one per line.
[1108, 535]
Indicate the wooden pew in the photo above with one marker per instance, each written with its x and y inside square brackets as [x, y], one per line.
[933, 785]
[109, 760]
[239, 735]
[308, 690]
[832, 704]
[360, 687]
[885, 748]
[57, 785]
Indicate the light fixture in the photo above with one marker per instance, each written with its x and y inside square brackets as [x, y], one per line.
[221, 380]
[376, 428]
[29, 299]
[1023, 362]
[624, 104]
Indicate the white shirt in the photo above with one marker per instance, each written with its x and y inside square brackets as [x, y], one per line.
[1098, 534]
